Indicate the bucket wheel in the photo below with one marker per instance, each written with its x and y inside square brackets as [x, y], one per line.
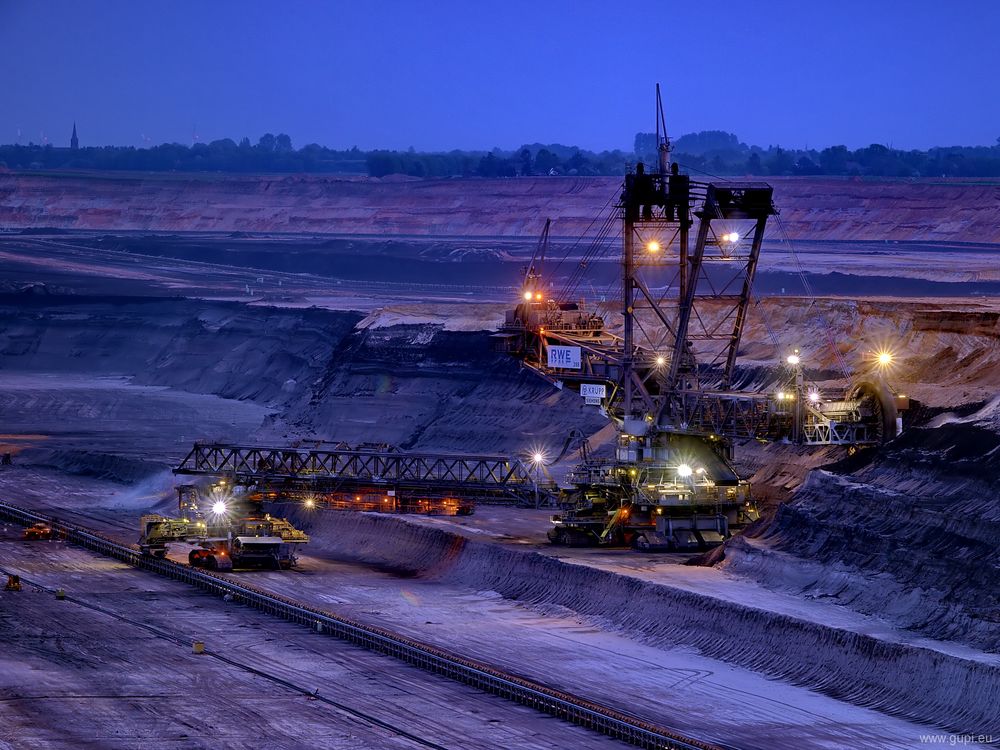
[877, 408]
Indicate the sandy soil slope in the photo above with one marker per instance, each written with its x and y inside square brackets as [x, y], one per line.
[813, 208]
[910, 536]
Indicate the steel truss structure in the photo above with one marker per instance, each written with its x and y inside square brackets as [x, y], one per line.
[684, 307]
[728, 414]
[461, 475]
[690, 251]
[665, 369]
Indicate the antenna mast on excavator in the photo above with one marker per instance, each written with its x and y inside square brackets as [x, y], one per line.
[533, 272]
[662, 140]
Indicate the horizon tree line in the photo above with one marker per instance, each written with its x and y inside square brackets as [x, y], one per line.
[712, 152]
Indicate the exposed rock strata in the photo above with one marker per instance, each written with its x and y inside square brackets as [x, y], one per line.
[812, 208]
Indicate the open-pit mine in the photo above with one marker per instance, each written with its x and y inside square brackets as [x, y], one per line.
[543, 462]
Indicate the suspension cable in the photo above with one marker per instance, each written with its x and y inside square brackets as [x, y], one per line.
[828, 329]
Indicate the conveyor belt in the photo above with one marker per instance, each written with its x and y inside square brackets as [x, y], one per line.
[560, 704]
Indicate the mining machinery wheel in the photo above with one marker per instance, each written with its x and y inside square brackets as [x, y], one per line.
[877, 407]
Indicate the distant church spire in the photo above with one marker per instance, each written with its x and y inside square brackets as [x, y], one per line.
[74, 142]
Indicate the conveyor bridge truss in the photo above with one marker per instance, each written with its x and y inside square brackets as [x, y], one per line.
[482, 478]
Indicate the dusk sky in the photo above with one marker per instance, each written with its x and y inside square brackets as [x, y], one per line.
[447, 74]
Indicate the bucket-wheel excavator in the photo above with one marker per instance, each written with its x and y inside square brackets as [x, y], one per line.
[666, 373]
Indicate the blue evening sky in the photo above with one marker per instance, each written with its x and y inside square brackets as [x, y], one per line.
[451, 74]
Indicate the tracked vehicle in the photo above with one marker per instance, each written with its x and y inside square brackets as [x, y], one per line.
[228, 530]
[650, 503]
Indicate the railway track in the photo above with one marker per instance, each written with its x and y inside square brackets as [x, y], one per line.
[563, 705]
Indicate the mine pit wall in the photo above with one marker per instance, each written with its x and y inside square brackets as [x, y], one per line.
[422, 387]
[224, 349]
[902, 680]
[820, 208]
[418, 386]
[403, 377]
[911, 537]
[947, 351]
[907, 533]
[129, 470]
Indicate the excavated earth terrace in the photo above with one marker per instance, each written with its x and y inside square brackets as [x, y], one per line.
[863, 612]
